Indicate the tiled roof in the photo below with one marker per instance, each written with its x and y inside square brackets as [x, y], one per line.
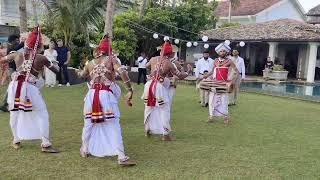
[277, 30]
[246, 7]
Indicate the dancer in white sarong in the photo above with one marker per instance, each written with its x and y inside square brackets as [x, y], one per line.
[156, 93]
[101, 135]
[29, 117]
[218, 102]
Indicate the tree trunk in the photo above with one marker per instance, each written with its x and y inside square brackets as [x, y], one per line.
[35, 12]
[174, 3]
[109, 17]
[143, 7]
[230, 6]
[23, 16]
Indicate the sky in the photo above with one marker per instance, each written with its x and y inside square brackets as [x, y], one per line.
[308, 4]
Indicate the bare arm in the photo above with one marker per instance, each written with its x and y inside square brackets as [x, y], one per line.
[51, 65]
[125, 78]
[8, 58]
[180, 74]
[83, 73]
[68, 57]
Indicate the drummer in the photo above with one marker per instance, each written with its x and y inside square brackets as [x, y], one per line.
[218, 101]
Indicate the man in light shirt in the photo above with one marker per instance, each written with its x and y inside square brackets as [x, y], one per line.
[142, 61]
[239, 62]
[203, 64]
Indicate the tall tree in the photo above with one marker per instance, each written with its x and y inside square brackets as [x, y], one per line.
[23, 15]
[174, 3]
[35, 11]
[109, 17]
[232, 5]
[142, 7]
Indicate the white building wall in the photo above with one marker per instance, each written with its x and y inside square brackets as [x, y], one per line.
[283, 9]
[9, 11]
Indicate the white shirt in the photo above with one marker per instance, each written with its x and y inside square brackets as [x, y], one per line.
[239, 62]
[142, 62]
[203, 65]
[51, 56]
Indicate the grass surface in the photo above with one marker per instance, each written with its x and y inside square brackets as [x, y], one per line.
[268, 138]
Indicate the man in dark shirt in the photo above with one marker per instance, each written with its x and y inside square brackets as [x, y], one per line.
[63, 59]
[14, 44]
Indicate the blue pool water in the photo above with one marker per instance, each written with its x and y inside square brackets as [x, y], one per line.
[302, 90]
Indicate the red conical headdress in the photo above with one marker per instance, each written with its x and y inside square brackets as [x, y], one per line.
[104, 46]
[166, 49]
[32, 38]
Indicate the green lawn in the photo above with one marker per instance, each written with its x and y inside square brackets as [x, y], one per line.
[268, 138]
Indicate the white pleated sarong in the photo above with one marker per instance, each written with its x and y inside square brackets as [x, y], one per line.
[171, 93]
[33, 124]
[218, 104]
[157, 118]
[103, 139]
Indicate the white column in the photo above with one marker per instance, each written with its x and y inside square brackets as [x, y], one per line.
[273, 50]
[312, 58]
[309, 90]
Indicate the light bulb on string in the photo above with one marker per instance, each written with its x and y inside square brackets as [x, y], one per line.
[206, 46]
[155, 36]
[189, 44]
[176, 41]
[242, 44]
[195, 43]
[227, 42]
[205, 38]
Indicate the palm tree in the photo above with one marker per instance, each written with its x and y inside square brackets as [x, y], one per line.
[23, 15]
[109, 17]
[35, 11]
[232, 5]
[142, 7]
[75, 16]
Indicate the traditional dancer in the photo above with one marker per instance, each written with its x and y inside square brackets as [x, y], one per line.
[101, 135]
[156, 93]
[29, 117]
[218, 102]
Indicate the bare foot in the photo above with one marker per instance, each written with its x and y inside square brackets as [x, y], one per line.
[16, 145]
[226, 121]
[166, 138]
[49, 149]
[148, 133]
[83, 154]
[210, 120]
[127, 163]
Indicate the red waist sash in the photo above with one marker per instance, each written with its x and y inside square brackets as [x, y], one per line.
[97, 113]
